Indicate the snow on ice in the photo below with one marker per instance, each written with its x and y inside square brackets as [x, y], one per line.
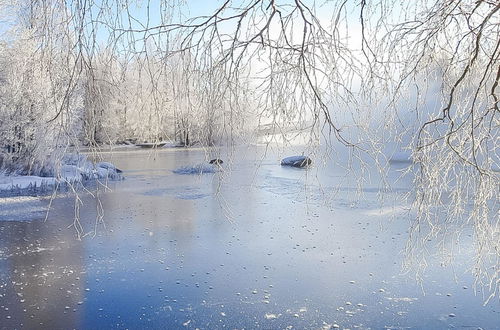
[73, 169]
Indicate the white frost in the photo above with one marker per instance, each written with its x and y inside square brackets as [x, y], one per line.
[270, 316]
[388, 210]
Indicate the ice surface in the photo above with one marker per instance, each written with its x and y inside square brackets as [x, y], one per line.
[281, 242]
[401, 157]
[183, 192]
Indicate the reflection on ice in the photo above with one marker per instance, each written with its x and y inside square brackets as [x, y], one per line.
[183, 192]
[22, 208]
[313, 192]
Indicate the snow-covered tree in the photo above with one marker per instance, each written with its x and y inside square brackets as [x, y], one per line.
[33, 90]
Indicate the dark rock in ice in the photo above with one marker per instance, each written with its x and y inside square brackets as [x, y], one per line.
[216, 161]
[296, 161]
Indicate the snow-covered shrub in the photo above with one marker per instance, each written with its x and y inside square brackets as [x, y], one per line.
[37, 110]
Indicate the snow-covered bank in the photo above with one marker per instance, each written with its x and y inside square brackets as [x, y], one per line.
[14, 182]
[72, 169]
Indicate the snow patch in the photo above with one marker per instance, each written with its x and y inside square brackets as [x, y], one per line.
[8, 182]
[401, 299]
[73, 168]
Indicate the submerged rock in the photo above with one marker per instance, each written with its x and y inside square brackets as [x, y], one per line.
[296, 161]
[197, 169]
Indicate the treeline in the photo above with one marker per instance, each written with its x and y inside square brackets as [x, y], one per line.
[52, 98]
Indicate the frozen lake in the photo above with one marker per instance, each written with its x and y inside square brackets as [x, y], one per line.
[254, 247]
